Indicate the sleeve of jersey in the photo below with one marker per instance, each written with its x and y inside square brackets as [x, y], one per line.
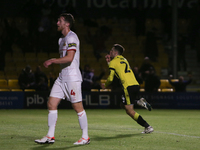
[111, 75]
[72, 44]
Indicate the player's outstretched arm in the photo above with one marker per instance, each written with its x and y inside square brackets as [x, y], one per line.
[48, 62]
[67, 59]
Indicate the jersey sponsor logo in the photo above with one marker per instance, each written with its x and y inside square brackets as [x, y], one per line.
[72, 44]
[72, 92]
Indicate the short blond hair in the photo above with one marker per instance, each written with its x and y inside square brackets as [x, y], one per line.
[119, 48]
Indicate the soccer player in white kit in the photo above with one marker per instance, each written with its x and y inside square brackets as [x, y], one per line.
[68, 84]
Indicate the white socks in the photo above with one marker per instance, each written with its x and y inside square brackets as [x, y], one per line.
[82, 118]
[52, 119]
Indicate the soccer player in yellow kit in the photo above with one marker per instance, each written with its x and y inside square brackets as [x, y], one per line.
[119, 67]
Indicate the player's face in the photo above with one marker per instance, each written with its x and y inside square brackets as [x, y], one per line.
[61, 24]
[112, 53]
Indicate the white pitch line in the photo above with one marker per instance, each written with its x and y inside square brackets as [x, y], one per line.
[178, 134]
[161, 132]
[172, 133]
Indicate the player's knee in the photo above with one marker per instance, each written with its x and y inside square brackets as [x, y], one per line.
[78, 107]
[52, 103]
[51, 106]
[130, 112]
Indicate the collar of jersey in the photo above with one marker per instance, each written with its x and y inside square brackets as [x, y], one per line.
[118, 56]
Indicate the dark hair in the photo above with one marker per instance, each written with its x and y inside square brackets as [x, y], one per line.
[119, 48]
[68, 18]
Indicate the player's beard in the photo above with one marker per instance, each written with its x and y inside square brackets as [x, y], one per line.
[59, 28]
[111, 56]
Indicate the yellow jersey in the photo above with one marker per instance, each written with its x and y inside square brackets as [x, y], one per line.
[120, 68]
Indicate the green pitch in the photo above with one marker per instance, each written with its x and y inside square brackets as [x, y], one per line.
[108, 130]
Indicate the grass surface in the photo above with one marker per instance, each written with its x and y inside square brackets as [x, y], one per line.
[108, 130]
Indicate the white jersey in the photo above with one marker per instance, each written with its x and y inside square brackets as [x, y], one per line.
[70, 71]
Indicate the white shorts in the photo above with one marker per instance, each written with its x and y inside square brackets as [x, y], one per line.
[69, 90]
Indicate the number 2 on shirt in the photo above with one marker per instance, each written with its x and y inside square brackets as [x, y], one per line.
[126, 68]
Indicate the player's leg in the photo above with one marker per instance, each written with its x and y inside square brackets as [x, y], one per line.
[55, 96]
[130, 96]
[52, 119]
[53, 115]
[138, 118]
[143, 103]
[82, 118]
[75, 96]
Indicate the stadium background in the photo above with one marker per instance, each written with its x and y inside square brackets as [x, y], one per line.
[119, 16]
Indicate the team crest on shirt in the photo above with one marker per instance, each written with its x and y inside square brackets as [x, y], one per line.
[64, 44]
[72, 45]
